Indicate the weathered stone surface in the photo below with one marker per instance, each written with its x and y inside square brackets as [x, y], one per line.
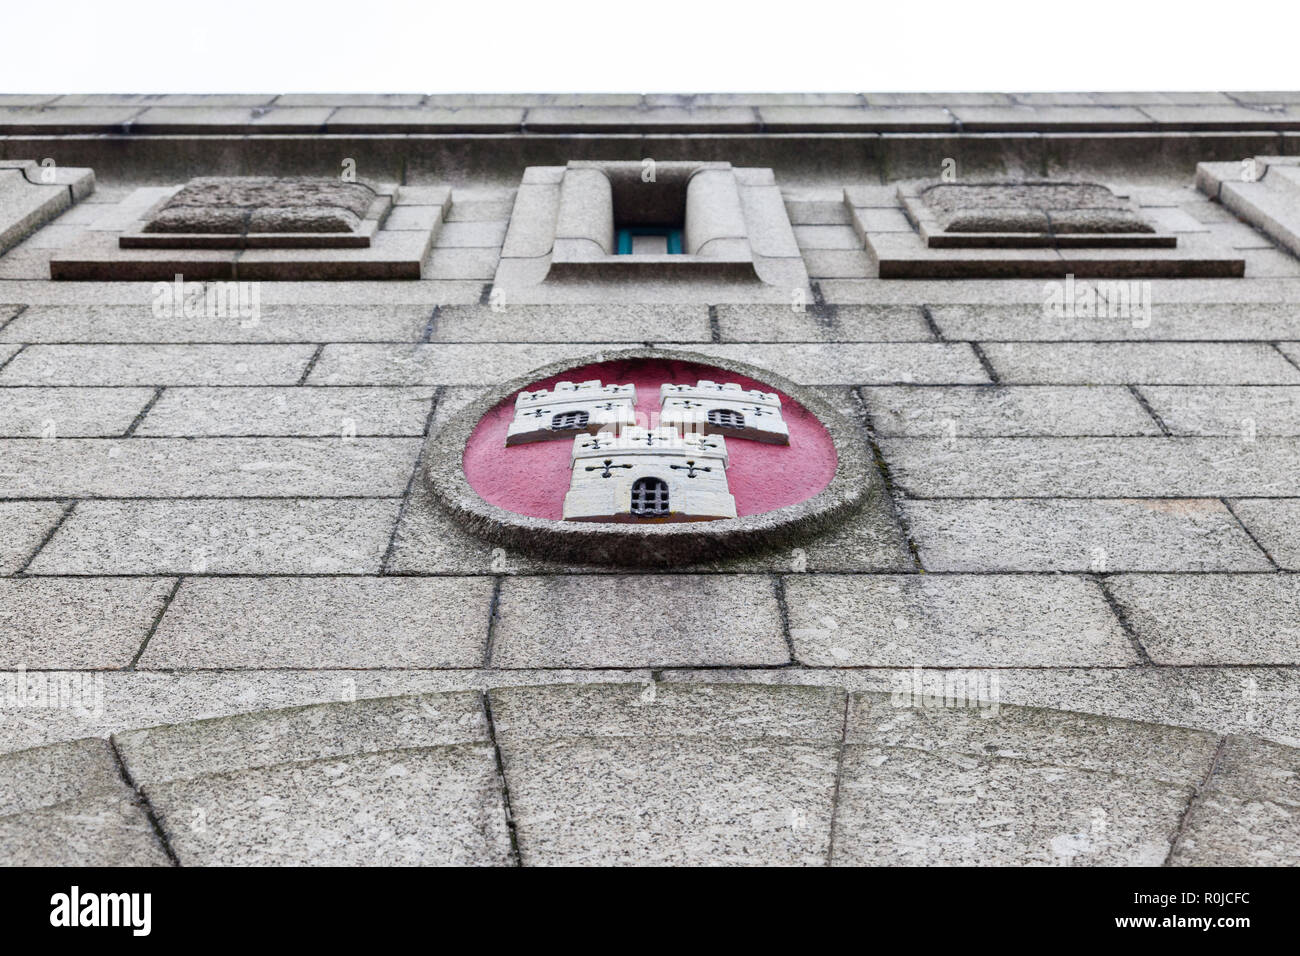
[1266, 321]
[1242, 412]
[1154, 363]
[340, 412]
[293, 536]
[324, 623]
[299, 734]
[240, 204]
[434, 364]
[644, 620]
[1275, 523]
[940, 621]
[214, 467]
[31, 195]
[885, 363]
[95, 323]
[158, 365]
[1035, 735]
[1093, 467]
[77, 623]
[1001, 806]
[1064, 207]
[1005, 411]
[659, 774]
[1057, 534]
[106, 829]
[136, 699]
[69, 412]
[1259, 701]
[1213, 618]
[861, 323]
[45, 776]
[23, 526]
[427, 806]
[1246, 815]
[539, 323]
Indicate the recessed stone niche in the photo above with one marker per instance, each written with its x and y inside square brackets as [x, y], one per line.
[1027, 229]
[731, 224]
[1263, 191]
[32, 194]
[260, 227]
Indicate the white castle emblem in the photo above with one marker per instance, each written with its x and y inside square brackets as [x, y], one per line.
[623, 472]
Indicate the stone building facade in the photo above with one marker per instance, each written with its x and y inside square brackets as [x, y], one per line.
[1014, 580]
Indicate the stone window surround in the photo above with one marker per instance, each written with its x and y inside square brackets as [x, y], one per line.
[565, 220]
[1270, 201]
[31, 195]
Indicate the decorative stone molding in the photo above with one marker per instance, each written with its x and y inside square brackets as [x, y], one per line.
[1264, 191]
[1027, 229]
[733, 221]
[711, 408]
[649, 475]
[249, 212]
[31, 195]
[852, 481]
[260, 228]
[568, 408]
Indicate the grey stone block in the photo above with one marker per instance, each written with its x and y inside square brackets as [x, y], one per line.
[1035, 735]
[431, 806]
[1168, 320]
[660, 774]
[1055, 534]
[1246, 814]
[850, 323]
[135, 699]
[643, 621]
[299, 734]
[324, 623]
[577, 323]
[1242, 412]
[1154, 363]
[227, 536]
[853, 364]
[434, 364]
[46, 776]
[1092, 467]
[69, 412]
[159, 365]
[23, 526]
[67, 624]
[211, 467]
[1275, 523]
[1260, 701]
[214, 412]
[425, 119]
[93, 323]
[108, 829]
[990, 411]
[902, 805]
[940, 621]
[1214, 618]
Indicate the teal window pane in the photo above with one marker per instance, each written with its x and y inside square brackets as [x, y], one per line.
[672, 237]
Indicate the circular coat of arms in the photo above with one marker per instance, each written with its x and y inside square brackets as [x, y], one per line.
[649, 457]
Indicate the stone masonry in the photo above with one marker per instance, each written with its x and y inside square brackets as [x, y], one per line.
[223, 582]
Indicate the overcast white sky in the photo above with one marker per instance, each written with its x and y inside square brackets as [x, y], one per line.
[62, 46]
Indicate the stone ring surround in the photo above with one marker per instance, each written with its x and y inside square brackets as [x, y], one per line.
[854, 483]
